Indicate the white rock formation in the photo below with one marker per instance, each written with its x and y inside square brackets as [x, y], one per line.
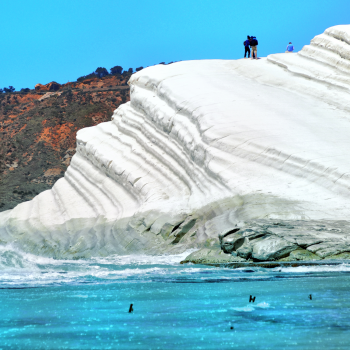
[201, 146]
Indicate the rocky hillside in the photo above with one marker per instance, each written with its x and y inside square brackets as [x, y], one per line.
[38, 129]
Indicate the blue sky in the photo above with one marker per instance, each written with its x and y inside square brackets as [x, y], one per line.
[45, 41]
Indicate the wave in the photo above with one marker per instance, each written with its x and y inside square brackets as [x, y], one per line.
[23, 270]
[344, 267]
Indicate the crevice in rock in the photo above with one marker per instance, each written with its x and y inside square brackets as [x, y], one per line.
[221, 237]
[239, 243]
[186, 228]
[252, 238]
[177, 226]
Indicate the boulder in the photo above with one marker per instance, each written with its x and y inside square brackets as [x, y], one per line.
[245, 250]
[231, 242]
[53, 86]
[272, 248]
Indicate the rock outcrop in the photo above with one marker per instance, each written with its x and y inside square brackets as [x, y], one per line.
[209, 149]
[265, 240]
[53, 86]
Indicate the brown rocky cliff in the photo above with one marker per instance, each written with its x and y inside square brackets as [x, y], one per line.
[53, 86]
[38, 130]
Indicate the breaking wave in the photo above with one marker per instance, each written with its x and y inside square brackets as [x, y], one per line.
[23, 270]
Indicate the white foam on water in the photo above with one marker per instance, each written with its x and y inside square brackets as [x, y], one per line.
[18, 268]
[263, 305]
[243, 309]
[344, 267]
[11, 256]
[250, 308]
[144, 259]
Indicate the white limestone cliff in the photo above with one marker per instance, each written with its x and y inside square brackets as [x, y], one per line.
[202, 147]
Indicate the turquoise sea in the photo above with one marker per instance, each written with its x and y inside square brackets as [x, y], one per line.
[84, 304]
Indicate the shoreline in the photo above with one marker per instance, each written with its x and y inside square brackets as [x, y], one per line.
[273, 264]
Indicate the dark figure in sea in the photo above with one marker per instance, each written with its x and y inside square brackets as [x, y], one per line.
[246, 47]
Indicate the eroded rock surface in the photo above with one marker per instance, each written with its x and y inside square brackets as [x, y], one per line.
[264, 240]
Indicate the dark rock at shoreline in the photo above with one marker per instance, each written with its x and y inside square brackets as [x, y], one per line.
[274, 264]
[280, 241]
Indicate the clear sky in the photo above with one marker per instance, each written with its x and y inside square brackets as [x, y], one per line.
[45, 41]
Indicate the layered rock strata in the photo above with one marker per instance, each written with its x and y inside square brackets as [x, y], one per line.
[206, 148]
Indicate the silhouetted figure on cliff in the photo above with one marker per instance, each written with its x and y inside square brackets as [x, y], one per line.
[253, 46]
[246, 47]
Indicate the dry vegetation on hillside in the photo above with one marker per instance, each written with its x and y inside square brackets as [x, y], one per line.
[38, 129]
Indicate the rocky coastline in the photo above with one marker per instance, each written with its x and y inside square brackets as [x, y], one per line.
[270, 264]
[278, 243]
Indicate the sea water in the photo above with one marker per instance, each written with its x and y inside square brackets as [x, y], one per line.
[84, 304]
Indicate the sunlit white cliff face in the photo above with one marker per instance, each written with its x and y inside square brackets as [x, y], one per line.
[201, 147]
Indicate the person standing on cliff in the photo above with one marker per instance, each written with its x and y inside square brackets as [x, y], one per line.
[290, 48]
[246, 47]
[253, 46]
